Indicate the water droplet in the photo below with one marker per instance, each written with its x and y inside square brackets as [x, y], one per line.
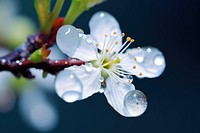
[19, 62]
[89, 39]
[68, 86]
[135, 102]
[148, 50]
[81, 32]
[140, 55]
[101, 79]
[71, 96]
[159, 60]
[88, 67]
[68, 39]
[102, 14]
[3, 61]
[101, 90]
[129, 78]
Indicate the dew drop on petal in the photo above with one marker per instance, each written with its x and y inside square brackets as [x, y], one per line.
[152, 63]
[148, 50]
[81, 32]
[135, 102]
[68, 86]
[159, 60]
[140, 55]
[129, 78]
[88, 67]
[101, 79]
[101, 90]
[68, 39]
[89, 39]
[71, 96]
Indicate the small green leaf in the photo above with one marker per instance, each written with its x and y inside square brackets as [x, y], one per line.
[40, 54]
[44, 74]
[36, 56]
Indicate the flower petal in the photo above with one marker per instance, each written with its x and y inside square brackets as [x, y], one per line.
[115, 93]
[103, 23]
[87, 50]
[143, 62]
[77, 83]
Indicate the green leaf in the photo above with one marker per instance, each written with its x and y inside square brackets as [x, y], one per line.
[77, 7]
[43, 10]
[54, 14]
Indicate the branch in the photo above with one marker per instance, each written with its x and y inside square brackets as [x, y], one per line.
[34, 42]
[19, 68]
[18, 63]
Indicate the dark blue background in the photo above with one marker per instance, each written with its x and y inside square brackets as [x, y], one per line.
[173, 98]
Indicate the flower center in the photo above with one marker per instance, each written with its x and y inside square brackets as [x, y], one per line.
[108, 56]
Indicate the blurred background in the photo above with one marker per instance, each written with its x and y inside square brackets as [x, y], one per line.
[173, 98]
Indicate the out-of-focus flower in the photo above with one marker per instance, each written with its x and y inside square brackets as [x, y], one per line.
[108, 69]
[36, 110]
[13, 25]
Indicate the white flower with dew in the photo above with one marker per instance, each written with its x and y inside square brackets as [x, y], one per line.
[109, 65]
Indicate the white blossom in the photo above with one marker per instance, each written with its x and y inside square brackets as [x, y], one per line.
[109, 65]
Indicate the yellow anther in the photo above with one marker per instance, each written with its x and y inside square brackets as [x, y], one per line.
[135, 58]
[97, 44]
[116, 42]
[140, 74]
[123, 34]
[128, 53]
[107, 50]
[134, 67]
[138, 48]
[128, 39]
[132, 40]
[106, 35]
[114, 33]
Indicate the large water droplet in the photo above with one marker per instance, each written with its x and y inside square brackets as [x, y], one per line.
[88, 67]
[68, 86]
[68, 39]
[159, 60]
[71, 96]
[135, 102]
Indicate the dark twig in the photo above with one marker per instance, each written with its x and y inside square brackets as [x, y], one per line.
[19, 68]
[17, 61]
